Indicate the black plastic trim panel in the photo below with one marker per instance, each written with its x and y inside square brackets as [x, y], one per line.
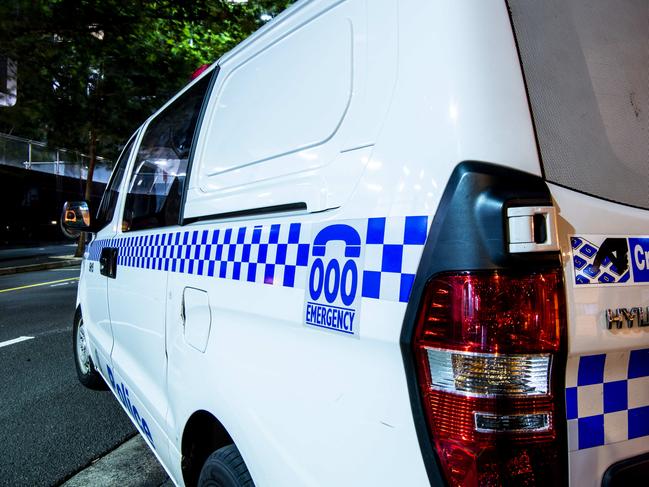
[632, 471]
[469, 233]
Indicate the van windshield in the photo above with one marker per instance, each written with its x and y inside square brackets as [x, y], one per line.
[586, 65]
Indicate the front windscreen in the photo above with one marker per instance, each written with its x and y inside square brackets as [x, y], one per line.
[586, 64]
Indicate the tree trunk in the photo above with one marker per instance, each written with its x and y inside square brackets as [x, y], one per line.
[92, 152]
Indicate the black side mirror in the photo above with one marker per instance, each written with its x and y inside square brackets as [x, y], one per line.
[76, 216]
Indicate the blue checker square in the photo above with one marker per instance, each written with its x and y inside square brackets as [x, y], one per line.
[639, 363]
[236, 271]
[591, 431]
[215, 237]
[256, 235]
[625, 277]
[281, 254]
[269, 273]
[579, 279]
[245, 253]
[392, 258]
[591, 370]
[302, 254]
[241, 235]
[223, 270]
[579, 262]
[405, 286]
[371, 284]
[228, 236]
[289, 276]
[274, 234]
[575, 242]
[615, 396]
[415, 231]
[375, 230]
[231, 251]
[571, 403]
[252, 272]
[638, 422]
[294, 233]
[588, 250]
[263, 253]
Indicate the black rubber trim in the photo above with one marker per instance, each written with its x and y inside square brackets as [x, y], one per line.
[197, 130]
[469, 233]
[632, 471]
[266, 210]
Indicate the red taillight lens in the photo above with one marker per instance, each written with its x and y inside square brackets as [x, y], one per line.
[486, 347]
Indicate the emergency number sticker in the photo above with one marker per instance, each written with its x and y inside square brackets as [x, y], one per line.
[334, 275]
[603, 260]
[351, 260]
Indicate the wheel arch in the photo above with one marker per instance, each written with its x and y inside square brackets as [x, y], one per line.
[203, 434]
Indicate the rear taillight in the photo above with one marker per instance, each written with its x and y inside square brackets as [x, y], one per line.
[488, 353]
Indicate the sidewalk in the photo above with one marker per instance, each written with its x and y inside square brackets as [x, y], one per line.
[36, 258]
[131, 464]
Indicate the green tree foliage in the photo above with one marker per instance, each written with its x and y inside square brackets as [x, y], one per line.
[91, 71]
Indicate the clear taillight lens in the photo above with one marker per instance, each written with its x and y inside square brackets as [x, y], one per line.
[487, 347]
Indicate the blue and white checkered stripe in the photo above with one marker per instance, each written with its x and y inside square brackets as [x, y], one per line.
[607, 398]
[276, 254]
[583, 256]
[393, 249]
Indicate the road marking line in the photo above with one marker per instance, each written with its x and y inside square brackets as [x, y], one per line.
[15, 340]
[38, 284]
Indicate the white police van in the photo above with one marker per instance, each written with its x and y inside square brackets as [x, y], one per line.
[391, 242]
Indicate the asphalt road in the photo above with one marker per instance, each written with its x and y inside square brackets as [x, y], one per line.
[51, 425]
[11, 257]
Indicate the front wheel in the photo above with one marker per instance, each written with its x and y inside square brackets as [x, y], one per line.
[225, 468]
[86, 371]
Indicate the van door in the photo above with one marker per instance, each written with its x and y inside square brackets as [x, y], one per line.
[93, 294]
[588, 89]
[144, 246]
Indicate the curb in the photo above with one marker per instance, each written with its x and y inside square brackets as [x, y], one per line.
[131, 463]
[40, 267]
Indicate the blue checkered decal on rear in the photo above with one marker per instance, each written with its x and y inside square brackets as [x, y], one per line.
[607, 398]
[276, 254]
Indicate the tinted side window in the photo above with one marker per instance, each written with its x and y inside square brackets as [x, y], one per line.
[157, 181]
[108, 203]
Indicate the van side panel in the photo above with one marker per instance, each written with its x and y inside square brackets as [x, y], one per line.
[309, 405]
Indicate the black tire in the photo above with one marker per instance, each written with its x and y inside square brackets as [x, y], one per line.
[86, 371]
[225, 468]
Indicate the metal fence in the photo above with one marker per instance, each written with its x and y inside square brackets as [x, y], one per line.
[37, 156]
